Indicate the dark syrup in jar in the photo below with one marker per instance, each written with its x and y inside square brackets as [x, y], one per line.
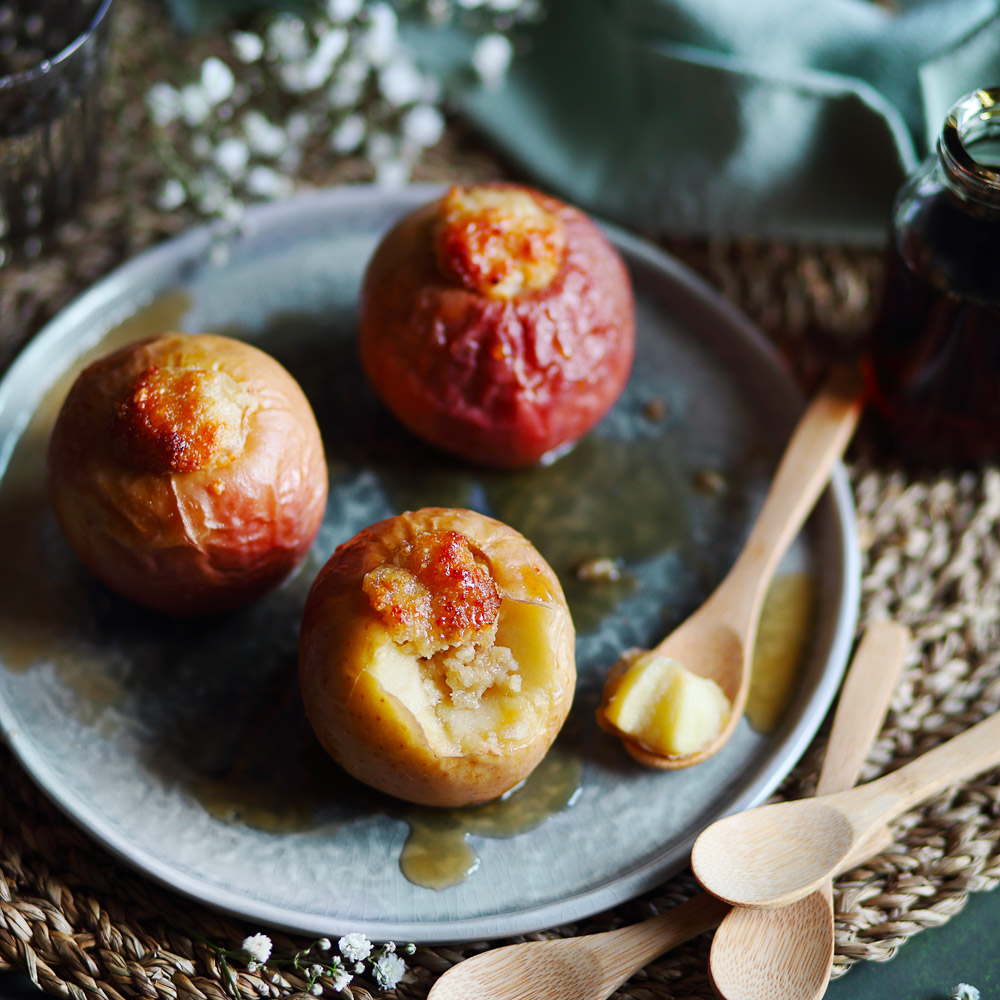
[933, 357]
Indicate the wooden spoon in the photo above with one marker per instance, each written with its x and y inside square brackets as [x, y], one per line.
[717, 640]
[776, 854]
[787, 951]
[593, 966]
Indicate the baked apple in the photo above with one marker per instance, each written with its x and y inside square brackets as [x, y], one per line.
[187, 472]
[436, 657]
[497, 323]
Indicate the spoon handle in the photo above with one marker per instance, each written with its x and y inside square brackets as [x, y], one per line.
[624, 951]
[864, 699]
[962, 757]
[817, 442]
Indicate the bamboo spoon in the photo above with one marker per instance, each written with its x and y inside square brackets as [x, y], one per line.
[787, 951]
[776, 854]
[593, 966]
[717, 640]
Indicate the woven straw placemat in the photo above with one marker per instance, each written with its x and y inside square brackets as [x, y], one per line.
[80, 923]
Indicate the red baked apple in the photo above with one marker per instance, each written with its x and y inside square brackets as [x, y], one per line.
[497, 323]
[187, 472]
[436, 657]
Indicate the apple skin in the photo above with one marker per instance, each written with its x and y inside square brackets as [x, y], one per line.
[201, 540]
[500, 382]
[367, 718]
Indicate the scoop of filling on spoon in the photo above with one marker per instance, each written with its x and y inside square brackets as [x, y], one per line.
[658, 703]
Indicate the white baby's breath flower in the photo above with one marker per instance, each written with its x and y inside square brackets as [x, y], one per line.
[316, 989]
[164, 103]
[232, 156]
[359, 967]
[355, 947]
[212, 194]
[344, 93]
[298, 127]
[252, 966]
[287, 39]
[341, 978]
[263, 182]
[380, 146]
[491, 58]
[348, 135]
[410, 949]
[294, 77]
[172, 195]
[217, 80]
[423, 125]
[265, 138]
[380, 40]
[290, 159]
[340, 11]
[201, 146]
[248, 46]
[401, 83]
[963, 991]
[195, 105]
[258, 947]
[324, 944]
[389, 969]
[319, 67]
[392, 174]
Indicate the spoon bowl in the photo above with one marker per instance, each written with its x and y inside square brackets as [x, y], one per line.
[717, 641]
[787, 951]
[790, 960]
[775, 854]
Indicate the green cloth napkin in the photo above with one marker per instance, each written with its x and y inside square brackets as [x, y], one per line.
[792, 119]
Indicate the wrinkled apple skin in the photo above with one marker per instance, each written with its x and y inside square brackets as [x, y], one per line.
[199, 541]
[372, 733]
[502, 382]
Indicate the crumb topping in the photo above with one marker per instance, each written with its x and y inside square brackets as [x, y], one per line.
[498, 241]
[439, 600]
[180, 419]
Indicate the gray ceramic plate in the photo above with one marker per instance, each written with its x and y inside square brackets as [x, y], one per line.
[183, 747]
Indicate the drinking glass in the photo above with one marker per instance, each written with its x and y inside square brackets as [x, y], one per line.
[52, 58]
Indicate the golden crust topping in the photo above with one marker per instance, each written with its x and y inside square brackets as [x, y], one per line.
[498, 241]
[435, 593]
[179, 419]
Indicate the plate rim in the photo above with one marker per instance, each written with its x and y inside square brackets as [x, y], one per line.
[188, 250]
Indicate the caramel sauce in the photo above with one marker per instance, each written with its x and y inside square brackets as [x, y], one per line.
[437, 853]
[782, 640]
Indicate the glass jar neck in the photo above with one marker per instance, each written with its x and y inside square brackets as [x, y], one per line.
[969, 147]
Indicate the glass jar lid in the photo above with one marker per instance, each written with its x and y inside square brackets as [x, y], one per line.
[969, 146]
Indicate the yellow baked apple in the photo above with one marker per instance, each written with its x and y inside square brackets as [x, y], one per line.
[436, 657]
[187, 472]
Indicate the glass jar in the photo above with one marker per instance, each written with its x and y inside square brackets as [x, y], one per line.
[933, 356]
